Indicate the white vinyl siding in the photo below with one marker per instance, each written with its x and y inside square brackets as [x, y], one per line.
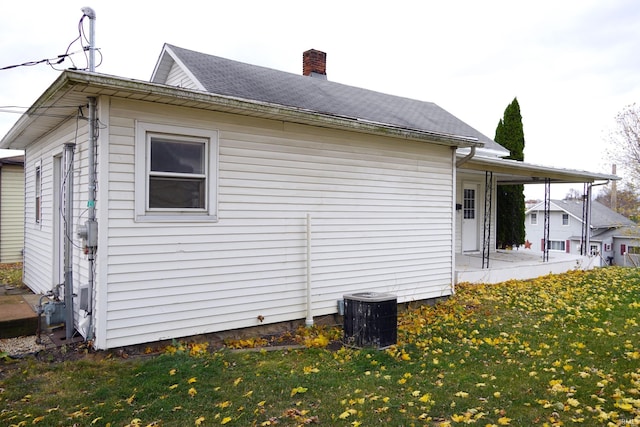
[41, 248]
[11, 213]
[177, 77]
[381, 220]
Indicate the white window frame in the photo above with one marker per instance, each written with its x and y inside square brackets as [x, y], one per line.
[143, 133]
[562, 243]
[632, 250]
[534, 218]
[37, 199]
[565, 215]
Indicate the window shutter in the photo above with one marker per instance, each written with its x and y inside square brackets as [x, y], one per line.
[623, 249]
[567, 246]
[542, 245]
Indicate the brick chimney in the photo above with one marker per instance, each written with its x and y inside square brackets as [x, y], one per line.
[314, 64]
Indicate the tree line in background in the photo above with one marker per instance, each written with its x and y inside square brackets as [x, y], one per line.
[624, 152]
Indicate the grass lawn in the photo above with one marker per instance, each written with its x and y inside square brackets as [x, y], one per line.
[558, 350]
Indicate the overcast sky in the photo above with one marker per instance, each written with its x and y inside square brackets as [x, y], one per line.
[572, 64]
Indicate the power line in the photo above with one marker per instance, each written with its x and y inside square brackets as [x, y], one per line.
[52, 62]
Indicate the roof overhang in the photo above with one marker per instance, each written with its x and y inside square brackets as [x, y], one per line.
[69, 92]
[512, 172]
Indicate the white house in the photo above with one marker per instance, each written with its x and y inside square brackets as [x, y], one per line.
[11, 209]
[222, 195]
[611, 235]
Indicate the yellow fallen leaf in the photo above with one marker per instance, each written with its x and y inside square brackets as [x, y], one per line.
[504, 421]
[310, 369]
[192, 391]
[192, 380]
[199, 421]
[425, 398]
[297, 390]
[224, 404]
[225, 420]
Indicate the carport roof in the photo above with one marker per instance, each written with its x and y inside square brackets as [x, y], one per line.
[511, 172]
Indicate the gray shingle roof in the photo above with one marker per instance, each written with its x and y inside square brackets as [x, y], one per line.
[237, 79]
[601, 216]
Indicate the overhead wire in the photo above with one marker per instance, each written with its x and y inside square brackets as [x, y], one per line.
[59, 59]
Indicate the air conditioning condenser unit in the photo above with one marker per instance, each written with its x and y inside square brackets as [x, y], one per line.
[370, 319]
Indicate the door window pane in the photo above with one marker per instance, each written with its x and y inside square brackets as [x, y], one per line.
[469, 203]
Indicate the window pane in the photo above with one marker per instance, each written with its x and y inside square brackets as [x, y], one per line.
[177, 156]
[556, 245]
[176, 193]
[469, 203]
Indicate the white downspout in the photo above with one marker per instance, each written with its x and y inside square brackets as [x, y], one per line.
[466, 158]
[455, 166]
[454, 219]
[309, 320]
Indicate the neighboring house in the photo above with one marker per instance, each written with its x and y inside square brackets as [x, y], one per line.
[11, 209]
[611, 234]
[228, 195]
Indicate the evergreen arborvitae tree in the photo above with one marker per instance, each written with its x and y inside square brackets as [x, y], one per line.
[511, 207]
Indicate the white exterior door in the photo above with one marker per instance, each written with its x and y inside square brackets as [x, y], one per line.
[469, 217]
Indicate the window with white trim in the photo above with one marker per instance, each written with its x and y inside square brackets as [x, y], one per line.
[634, 250]
[38, 190]
[176, 174]
[565, 219]
[556, 245]
[534, 218]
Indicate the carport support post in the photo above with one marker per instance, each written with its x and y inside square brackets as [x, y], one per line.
[585, 244]
[486, 235]
[547, 207]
